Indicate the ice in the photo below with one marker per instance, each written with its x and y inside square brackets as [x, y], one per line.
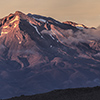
[35, 28]
[52, 37]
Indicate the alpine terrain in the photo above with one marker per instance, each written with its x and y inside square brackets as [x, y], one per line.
[39, 54]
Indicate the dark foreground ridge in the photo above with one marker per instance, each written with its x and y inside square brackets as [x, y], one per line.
[67, 94]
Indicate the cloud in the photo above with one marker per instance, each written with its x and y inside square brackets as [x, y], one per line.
[69, 37]
[87, 35]
[95, 33]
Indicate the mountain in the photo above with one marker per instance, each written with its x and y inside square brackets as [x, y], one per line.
[68, 94]
[39, 54]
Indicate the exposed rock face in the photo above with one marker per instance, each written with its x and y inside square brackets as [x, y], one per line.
[39, 54]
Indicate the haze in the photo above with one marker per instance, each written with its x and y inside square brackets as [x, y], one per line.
[82, 11]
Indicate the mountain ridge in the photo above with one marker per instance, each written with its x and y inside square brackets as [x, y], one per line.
[70, 94]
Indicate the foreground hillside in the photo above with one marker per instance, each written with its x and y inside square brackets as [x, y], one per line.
[68, 94]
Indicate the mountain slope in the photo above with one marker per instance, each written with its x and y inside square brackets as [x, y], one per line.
[39, 54]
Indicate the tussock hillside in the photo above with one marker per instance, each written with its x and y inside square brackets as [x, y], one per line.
[68, 94]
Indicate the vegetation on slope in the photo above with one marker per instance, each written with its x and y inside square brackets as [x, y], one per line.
[67, 94]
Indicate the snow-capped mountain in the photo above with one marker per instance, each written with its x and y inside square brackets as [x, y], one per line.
[39, 54]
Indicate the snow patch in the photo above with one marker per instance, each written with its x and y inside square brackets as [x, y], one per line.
[19, 39]
[15, 25]
[50, 46]
[57, 41]
[79, 26]
[20, 42]
[56, 22]
[16, 19]
[52, 37]
[42, 20]
[42, 37]
[3, 33]
[5, 27]
[35, 28]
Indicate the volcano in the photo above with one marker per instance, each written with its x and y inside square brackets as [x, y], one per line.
[39, 54]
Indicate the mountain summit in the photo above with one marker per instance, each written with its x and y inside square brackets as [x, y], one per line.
[39, 54]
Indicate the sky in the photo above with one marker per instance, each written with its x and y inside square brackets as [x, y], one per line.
[85, 12]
